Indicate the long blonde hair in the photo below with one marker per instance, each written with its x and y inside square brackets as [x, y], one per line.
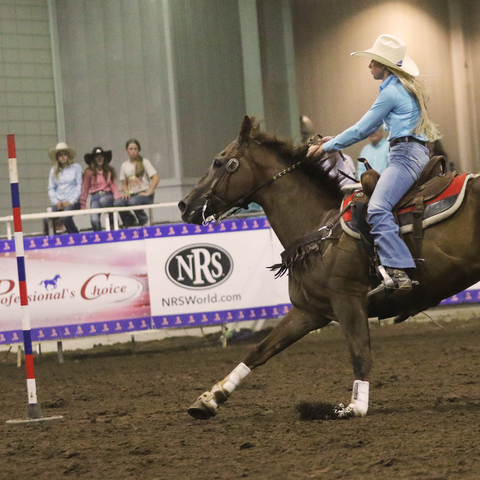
[139, 167]
[418, 89]
[58, 168]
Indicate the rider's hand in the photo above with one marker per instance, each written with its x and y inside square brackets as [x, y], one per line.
[318, 148]
[315, 150]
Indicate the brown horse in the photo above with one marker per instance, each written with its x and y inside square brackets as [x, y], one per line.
[331, 281]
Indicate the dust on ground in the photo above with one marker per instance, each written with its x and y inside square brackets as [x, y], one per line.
[125, 414]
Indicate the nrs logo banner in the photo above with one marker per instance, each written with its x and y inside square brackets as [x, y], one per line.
[210, 272]
[199, 267]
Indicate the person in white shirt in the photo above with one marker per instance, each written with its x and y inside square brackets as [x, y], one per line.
[344, 169]
[139, 181]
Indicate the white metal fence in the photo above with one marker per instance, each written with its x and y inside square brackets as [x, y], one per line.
[51, 216]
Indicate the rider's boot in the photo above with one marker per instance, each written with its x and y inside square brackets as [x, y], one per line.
[393, 280]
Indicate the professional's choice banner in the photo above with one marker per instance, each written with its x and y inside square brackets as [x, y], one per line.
[138, 279]
[157, 277]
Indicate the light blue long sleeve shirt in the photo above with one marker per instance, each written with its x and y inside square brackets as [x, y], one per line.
[377, 156]
[394, 107]
[67, 186]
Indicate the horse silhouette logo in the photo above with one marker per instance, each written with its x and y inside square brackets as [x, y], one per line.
[51, 283]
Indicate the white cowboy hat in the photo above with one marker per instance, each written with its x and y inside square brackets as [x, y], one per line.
[61, 147]
[389, 50]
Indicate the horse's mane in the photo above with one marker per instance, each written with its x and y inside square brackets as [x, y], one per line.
[315, 167]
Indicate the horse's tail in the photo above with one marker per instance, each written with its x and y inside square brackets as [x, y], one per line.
[41, 282]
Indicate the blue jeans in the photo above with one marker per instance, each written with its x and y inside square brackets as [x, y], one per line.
[407, 161]
[100, 201]
[127, 218]
[68, 221]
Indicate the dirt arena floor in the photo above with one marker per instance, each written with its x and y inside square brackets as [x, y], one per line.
[125, 415]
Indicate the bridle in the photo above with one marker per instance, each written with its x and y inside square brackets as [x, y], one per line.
[231, 167]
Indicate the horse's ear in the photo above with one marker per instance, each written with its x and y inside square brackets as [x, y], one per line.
[244, 134]
[255, 129]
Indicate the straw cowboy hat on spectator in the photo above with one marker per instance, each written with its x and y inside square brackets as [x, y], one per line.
[390, 51]
[90, 157]
[61, 147]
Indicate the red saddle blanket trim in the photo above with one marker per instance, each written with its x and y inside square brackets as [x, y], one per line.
[453, 189]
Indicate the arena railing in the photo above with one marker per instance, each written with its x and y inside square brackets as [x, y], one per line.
[50, 216]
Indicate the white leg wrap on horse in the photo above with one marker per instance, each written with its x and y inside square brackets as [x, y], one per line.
[359, 402]
[233, 380]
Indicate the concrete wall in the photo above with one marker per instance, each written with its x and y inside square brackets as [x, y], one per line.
[335, 89]
[180, 75]
[27, 100]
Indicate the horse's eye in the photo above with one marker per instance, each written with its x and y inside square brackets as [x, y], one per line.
[217, 163]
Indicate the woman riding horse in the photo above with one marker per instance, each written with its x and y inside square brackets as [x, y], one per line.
[329, 278]
[401, 106]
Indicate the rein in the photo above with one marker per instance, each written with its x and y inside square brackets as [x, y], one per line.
[230, 167]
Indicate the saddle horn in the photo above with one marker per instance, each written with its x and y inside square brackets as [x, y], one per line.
[369, 178]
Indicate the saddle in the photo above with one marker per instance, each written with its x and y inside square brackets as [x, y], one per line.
[353, 213]
[431, 183]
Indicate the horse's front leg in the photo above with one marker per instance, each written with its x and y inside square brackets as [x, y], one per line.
[295, 325]
[351, 313]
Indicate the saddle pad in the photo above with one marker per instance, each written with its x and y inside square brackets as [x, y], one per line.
[437, 209]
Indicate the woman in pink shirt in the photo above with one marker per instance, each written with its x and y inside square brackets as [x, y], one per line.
[99, 180]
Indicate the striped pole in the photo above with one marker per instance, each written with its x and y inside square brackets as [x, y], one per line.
[34, 410]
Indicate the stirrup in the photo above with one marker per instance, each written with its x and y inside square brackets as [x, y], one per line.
[390, 284]
[400, 278]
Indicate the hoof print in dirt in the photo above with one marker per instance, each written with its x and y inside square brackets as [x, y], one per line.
[323, 411]
[244, 446]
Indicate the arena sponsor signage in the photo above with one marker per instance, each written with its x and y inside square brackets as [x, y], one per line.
[214, 278]
[137, 279]
[110, 288]
[470, 295]
[157, 277]
[199, 266]
[84, 284]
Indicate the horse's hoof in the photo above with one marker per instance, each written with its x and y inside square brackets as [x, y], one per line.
[341, 411]
[204, 408]
[356, 410]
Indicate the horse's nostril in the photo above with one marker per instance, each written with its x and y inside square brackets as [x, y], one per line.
[182, 206]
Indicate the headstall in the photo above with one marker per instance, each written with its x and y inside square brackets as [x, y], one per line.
[230, 167]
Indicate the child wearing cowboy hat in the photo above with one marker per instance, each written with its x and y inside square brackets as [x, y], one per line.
[401, 108]
[99, 181]
[64, 182]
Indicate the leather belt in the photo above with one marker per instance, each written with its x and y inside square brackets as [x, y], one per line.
[406, 140]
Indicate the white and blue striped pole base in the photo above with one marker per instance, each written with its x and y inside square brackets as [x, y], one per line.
[34, 412]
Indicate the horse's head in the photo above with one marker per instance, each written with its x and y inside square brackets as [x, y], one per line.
[242, 171]
[226, 184]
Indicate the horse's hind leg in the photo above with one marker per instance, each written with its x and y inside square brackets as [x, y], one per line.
[294, 326]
